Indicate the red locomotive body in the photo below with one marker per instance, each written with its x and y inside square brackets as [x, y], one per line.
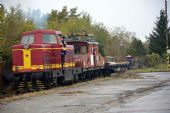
[44, 56]
[40, 50]
[86, 54]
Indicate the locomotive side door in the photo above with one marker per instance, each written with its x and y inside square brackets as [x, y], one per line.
[95, 54]
[91, 56]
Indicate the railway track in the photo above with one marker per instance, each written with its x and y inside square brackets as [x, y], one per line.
[27, 87]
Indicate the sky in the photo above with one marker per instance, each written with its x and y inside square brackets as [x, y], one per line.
[135, 15]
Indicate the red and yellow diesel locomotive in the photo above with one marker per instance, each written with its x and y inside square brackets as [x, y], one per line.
[44, 56]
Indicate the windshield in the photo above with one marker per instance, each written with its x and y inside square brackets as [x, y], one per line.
[49, 38]
[29, 39]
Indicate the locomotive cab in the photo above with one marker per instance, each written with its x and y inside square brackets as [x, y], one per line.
[86, 54]
[40, 50]
[43, 56]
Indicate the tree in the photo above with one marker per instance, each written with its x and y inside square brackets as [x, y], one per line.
[120, 41]
[13, 26]
[73, 13]
[73, 22]
[157, 39]
[2, 13]
[136, 48]
[69, 21]
[101, 34]
[152, 59]
[63, 15]
[52, 21]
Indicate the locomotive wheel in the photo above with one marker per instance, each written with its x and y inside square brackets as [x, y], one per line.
[55, 81]
[76, 78]
[100, 73]
[60, 80]
[89, 75]
[16, 82]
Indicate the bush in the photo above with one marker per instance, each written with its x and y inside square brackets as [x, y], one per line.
[164, 57]
[153, 59]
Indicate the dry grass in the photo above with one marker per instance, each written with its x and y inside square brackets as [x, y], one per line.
[127, 74]
[158, 68]
[21, 96]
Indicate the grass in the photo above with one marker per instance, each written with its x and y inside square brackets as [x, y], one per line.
[158, 68]
[22, 96]
[128, 74]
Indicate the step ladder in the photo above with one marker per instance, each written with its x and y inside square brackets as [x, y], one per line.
[21, 88]
[40, 85]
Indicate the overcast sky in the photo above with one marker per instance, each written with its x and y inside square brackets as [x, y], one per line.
[135, 15]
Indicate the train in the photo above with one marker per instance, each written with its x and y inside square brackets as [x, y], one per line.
[46, 57]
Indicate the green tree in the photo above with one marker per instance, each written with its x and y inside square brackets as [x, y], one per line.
[152, 59]
[76, 25]
[121, 39]
[101, 35]
[157, 39]
[73, 13]
[73, 22]
[136, 48]
[52, 21]
[13, 26]
[63, 15]
[2, 13]
[69, 21]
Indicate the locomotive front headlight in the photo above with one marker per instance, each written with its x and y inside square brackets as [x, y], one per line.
[26, 46]
[16, 68]
[38, 67]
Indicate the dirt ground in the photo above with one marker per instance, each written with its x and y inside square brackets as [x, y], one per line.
[147, 93]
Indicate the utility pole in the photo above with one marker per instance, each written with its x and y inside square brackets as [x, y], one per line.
[166, 31]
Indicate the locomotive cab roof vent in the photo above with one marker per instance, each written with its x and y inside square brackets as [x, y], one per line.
[80, 37]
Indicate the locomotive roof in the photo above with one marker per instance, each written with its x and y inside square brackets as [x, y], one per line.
[42, 31]
[88, 42]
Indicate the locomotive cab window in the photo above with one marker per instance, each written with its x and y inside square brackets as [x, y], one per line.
[29, 39]
[49, 38]
[80, 49]
[77, 49]
[83, 49]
